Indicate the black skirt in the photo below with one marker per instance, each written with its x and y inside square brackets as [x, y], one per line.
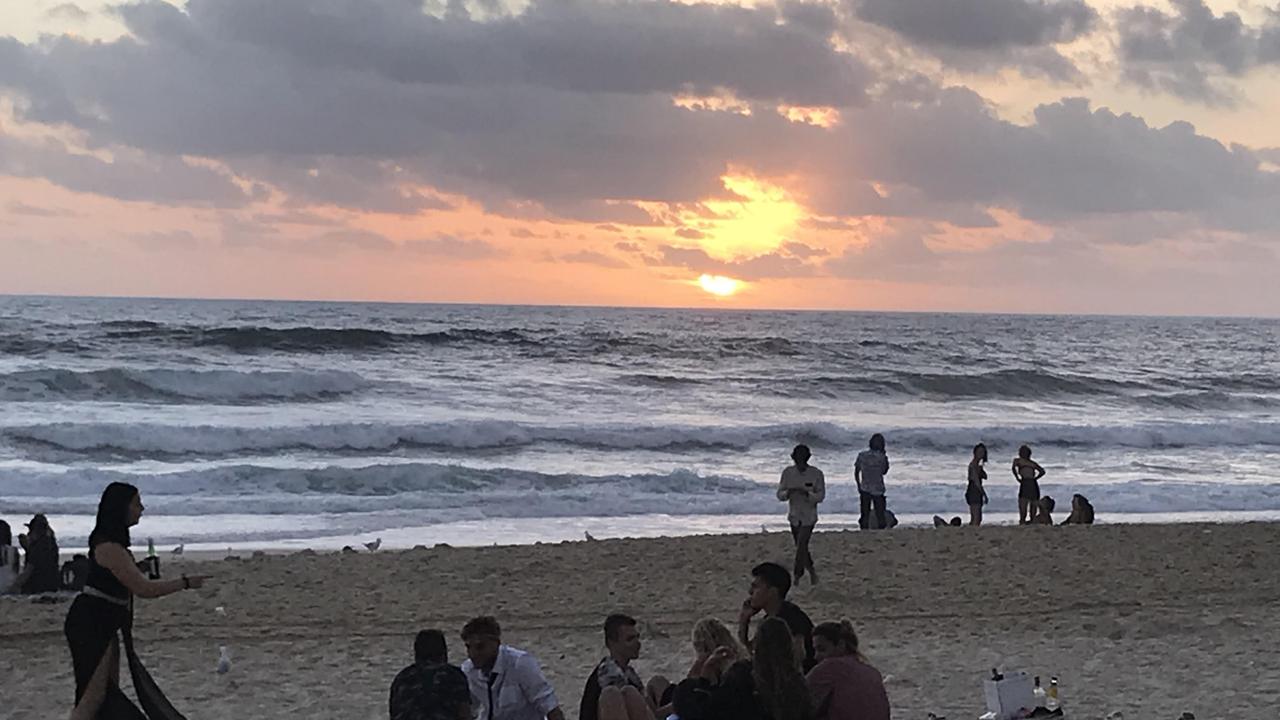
[91, 626]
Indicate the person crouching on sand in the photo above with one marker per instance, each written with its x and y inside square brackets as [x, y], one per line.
[975, 495]
[1028, 472]
[802, 487]
[1081, 511]
[1045, 514]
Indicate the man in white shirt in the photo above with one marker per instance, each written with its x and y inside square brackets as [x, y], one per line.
[506, 683]
[802, 487]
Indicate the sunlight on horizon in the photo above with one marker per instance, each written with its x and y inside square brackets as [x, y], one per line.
[719, 285]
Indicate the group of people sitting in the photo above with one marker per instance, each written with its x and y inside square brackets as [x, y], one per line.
[790, 670]
[40, 571]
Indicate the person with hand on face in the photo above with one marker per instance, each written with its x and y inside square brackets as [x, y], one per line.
[40, 571]
[710, 635]
[767, 686]
[506, 683]
[615, 691]
[770, 584]
[869, 470]
[802, 487]
[103, 612]
[975, 495]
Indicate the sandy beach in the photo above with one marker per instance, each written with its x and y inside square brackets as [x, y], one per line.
[1149, 620]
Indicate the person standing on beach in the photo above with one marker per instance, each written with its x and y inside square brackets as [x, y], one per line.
[975, 495]
[869, 470]
[102, 614]
[802, 487]
[1028, 473]
[770, 584]
[506, 683]
[430, 688]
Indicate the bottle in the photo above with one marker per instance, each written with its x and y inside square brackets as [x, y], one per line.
[1052, 702]
[153, 562]
[1039, 694]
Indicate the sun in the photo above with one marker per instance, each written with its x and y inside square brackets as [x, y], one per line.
[719, 285]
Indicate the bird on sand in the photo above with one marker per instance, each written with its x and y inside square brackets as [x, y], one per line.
[373, 546]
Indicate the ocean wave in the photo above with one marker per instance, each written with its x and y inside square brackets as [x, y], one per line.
[303, 339]
[157, 440]
[435, 493]
[160, 385]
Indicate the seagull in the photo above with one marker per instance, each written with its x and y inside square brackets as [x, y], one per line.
[589, 537]
[178, 550]
[373, 546]
[224, 660]
[764, 530]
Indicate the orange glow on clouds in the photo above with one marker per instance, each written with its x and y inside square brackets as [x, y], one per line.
[758, 221]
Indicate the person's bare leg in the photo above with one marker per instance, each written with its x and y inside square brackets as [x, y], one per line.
[637, 707]
[653, 693]
[1023, 504]
[975, 515]
[96, 691]
[1034, 507]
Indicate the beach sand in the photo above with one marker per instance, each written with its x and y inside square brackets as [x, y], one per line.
[1149, 620]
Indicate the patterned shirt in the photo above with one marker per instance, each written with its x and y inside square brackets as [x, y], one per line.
[429, 692]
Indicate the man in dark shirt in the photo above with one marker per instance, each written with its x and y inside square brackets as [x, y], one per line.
[430, 688]
[770, 584]
[614, 675]
[41, 572]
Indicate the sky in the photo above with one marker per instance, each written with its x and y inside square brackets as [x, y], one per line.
[1069, 156]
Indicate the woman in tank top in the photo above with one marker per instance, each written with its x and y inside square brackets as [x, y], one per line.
[103, 613]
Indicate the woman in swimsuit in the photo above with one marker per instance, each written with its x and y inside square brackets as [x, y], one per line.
[974, 495]
[1028, 472]
[103, 612]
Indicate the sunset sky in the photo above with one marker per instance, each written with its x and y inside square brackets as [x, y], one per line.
[987, 155]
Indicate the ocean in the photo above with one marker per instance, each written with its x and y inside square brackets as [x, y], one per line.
[277, 425]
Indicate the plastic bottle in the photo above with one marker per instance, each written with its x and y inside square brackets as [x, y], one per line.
[1039, 694]
[1052, 701]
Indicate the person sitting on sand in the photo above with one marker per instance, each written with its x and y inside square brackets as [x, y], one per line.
[770, 584]
[1028, 473]
[430, 688]
[843, 685]
[506, 683]
[975, 495]
[615, 691]
[1081, 511]
[709, 635]
[939, 522]
[1045, 514]
[802, 486]
[9, 559]
[41, 572]
[869, 470]
[769, 686]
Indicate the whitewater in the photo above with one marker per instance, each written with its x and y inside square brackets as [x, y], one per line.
[277, 425]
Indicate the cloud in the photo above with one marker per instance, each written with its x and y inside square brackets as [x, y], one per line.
[689, 233]
[1189, 53]
[448, 246]
[777, 264]
[18, 207]
[591, 257]
[989, 34]
[128, 175]
[67, 12]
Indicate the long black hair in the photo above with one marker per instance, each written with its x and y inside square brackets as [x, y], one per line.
[113, 515]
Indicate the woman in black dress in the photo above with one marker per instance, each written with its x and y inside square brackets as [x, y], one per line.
[103, 612]
[975, 495]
